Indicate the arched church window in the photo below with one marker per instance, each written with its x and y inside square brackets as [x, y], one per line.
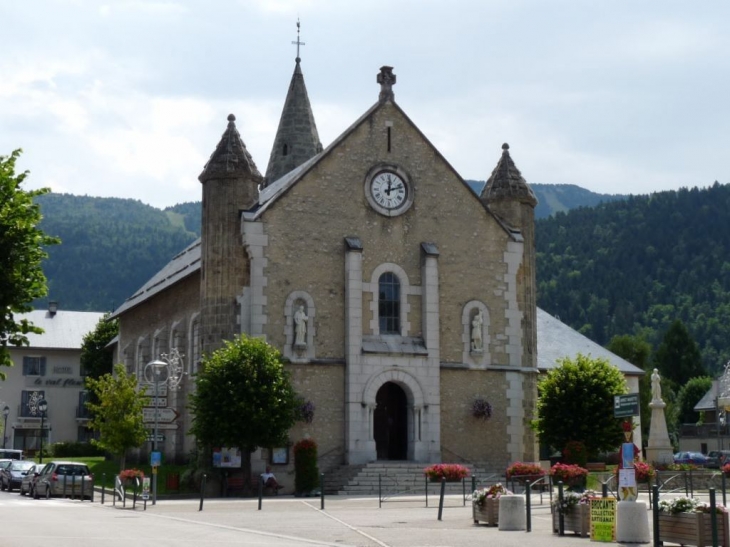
[389, 303]
[286, 149]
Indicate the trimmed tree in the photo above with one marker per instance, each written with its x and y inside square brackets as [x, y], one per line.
[21, 253]
[243, 399]
[576, 404]
[117, 415]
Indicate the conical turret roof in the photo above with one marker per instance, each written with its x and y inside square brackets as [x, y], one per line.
[296, 139]
[230, 158]
[507, 183]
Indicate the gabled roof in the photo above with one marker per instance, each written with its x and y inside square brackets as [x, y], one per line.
[181, 266]
[709, 399]
[556, 340]
[297, 139]
[63, 330]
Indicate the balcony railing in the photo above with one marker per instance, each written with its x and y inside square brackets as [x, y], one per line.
[704, 430]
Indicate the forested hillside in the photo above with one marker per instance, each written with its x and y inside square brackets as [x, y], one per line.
[109, 248]
[633, 266]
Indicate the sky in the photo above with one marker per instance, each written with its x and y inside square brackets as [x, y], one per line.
[128, 98]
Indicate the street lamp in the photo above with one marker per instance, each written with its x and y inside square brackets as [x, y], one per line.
[6, 411]
[172, 363]
[42, 407]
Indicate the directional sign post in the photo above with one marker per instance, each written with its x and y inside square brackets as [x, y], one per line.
[625, 406]
[165, 415]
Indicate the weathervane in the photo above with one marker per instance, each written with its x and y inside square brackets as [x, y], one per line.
[298, 42]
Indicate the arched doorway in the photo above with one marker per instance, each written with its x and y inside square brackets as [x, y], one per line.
[391, 422]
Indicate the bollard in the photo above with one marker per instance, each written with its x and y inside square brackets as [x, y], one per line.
[82, 488]
[528, 507]
[63, 495]
[724, 499]
[713, 517]
[425, 481]
[202, 491]
[655, 517]
[261, 491]
[321, 491]
[441, 496]
[134, 493]
[561, 517]
[463, 491]
[380, 493]
[103, 487]
[604, 489]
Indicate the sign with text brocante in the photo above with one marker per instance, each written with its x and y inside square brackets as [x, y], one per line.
[603, 519]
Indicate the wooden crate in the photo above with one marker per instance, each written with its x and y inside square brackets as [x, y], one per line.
[693, 528]
[577, 521]
[487, 513]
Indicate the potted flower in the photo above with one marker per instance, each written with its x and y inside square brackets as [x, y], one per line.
[573, 476]
[128, 477]
[576, 512]
[452, 472]
[524, 472]
[688, 521]
[485, 504]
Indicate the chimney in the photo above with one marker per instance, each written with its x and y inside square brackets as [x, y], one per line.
[52, 307]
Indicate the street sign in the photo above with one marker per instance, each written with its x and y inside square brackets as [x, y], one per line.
[164, 415]
[625, 406]
[155, 458]
[150, 391]
[151, 438]
[150, 401]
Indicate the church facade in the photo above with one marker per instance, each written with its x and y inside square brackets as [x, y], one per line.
[397, 296]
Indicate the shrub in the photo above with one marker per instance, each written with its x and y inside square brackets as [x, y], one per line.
[76, 450]
[448, 471]
[521, 469]
[306, 473]
[575, 453]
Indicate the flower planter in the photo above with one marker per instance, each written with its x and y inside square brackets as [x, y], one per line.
[693, 528]
[487, 512]
[578, 520]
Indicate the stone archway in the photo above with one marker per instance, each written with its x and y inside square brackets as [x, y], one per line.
[390, 422]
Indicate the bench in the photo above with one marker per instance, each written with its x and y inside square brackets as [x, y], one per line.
[596, 466]
[234, 485]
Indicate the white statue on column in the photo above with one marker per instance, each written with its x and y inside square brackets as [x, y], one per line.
[656, 386]
[300, 327]
[659, 450]
[477, 343]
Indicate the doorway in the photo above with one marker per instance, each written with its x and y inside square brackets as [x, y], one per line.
[391, 422]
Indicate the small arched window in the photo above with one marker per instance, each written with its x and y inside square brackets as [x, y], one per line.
[286, 150]
[389, 303]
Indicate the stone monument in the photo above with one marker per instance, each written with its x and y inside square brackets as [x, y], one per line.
[660, 449]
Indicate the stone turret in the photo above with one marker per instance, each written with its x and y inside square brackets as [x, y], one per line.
[230, 185]
[296, 139]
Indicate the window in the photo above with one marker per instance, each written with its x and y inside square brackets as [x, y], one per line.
[81, 410]
[29, 403]
[34, 366]
[389, 303]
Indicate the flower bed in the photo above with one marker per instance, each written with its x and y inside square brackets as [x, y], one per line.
[576, 513]
[525, 471]
[448, 471]
[485, 504]
[570, 475]
[688, 521]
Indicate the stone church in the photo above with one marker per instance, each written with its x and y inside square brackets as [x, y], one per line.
[397, 296]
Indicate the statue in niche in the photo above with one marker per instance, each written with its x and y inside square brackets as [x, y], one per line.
[477, 344]
[300, 327]
[656, 386]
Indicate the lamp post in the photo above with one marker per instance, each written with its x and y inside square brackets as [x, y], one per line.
[42, 407]
[6, 411]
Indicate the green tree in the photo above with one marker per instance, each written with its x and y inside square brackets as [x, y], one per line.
[244, 398]
[96, 359]
[689, 395]
[118, 414]
[678, 357]
[576, 404]
[21, 253]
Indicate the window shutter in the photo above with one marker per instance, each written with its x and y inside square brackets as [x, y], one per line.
[43, 366]
[25, 367]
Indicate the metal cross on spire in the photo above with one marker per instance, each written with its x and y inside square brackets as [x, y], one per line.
[298, 42]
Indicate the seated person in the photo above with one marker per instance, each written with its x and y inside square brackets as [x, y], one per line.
[269, 479]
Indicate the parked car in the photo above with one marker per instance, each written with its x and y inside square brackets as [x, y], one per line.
[59, 478]
[11, 454]
[29, 478]
[5, 463]
[11, 476]
[694, 458]
[717, 458]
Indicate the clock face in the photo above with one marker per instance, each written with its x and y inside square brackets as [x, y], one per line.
[388, 190]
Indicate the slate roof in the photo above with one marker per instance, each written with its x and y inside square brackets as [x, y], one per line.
[64, 330]
[556, 340]
[708, 399]
[181, 266]
[230, 159]
[506, 182]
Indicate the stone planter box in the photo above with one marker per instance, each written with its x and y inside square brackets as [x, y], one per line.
[487, 513]
[577, 521]
[693, 528]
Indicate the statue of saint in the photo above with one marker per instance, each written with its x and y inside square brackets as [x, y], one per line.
[656, 387]
[300, 327]
[476, 332]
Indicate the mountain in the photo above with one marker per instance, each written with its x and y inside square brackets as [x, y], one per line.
[633, 266]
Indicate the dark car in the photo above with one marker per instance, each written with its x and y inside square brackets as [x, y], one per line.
[694, 458]
[717, 458]
[29, 478]
[11, 476]
[72, 479]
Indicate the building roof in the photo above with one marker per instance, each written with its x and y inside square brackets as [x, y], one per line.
[556, 340]
[506, 182]
[63, 330]
[181, 266]
[230, 158]
[709, 399]
[297, 139]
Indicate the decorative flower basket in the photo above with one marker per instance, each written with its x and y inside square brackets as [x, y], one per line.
[488, 512]
[577, 520]
[524, 472]
[692, 528]
[573, 476]
[452, 472]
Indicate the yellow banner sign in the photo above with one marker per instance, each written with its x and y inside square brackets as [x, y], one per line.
[603, 519]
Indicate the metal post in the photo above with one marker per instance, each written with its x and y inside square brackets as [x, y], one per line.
[43, 418]
[604, 489]
[6, 411]
[154, 437]
[103, 487]
[724, 499]
[380, 492]
[202, 491]
[321, 491]
[425, 482]
[441, 496]
[528, 506]
[713, 517]
[561, 517]
[261, 491]
[655, 516]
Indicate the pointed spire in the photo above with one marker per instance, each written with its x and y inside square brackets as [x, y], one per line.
[296, 139]
[230, 158]
[507, 183]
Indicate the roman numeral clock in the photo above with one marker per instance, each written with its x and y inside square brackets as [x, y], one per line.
[388, 190]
